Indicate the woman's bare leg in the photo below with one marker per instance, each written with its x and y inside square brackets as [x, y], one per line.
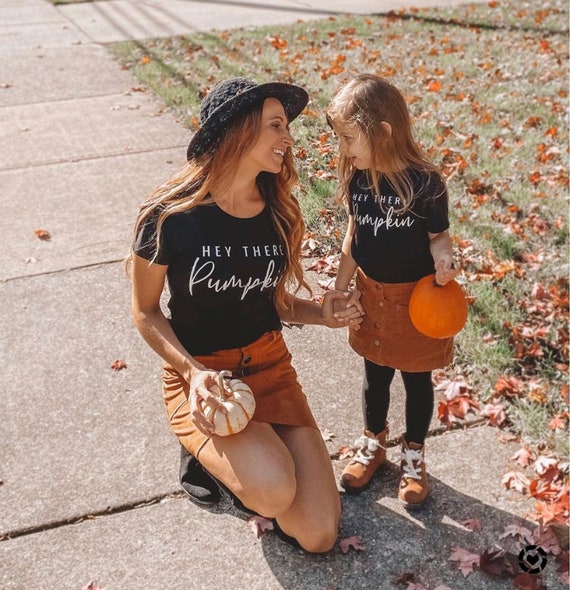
[314, 515]
[255, 465]
[284, 474]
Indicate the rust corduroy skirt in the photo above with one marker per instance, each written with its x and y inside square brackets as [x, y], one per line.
[387, 336]
[265, 365]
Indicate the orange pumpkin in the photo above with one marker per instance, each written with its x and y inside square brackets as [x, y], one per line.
[438, 311]
[238, 405]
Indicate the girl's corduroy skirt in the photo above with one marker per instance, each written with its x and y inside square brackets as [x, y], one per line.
[387, 336]
[265, 365]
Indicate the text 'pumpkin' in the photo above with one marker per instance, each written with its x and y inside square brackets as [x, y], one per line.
[238, 405]
[438, 311]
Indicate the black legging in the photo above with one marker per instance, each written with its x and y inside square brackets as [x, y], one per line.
[376, 400]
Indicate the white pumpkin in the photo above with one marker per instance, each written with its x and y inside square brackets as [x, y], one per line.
[239, 404]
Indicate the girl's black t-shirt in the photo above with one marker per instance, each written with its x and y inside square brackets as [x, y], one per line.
[222, 273]
[393, 247]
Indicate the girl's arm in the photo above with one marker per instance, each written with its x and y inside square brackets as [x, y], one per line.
[347, 266]
[305, 311]
[147, 286]
[441, 249]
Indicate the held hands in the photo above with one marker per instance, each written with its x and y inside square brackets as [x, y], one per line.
[445, 270]
[341, 308]
[200, 384]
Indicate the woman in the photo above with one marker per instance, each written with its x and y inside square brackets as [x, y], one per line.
[227, 232]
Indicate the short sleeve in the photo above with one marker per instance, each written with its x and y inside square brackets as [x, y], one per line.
[145, 242]
[438, 212]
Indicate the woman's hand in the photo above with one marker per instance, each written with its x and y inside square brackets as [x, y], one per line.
[199, 396]
[340, 308]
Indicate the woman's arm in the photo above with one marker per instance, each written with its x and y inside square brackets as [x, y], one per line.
[441, 249]
[305, 311]
[147, 286]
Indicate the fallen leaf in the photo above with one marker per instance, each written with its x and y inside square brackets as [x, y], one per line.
[42, 234]
[509, 386]
[342, 453]
[516, 480]
[259, 525]
[495, 413]
[559, 422]
[543, 464]
[473, 524]
[118, 365]
[456, 409]
[519, 533]
[546, 538]
[497, 562]
[523, 457]
[355, 542]
[526, 581]
[453, 388]
[466, 560]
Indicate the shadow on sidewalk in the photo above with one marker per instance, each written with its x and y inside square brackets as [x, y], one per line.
[399, 543]
[401, 546]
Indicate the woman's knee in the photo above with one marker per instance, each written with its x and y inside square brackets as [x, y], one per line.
[269, 498]
[319, 540]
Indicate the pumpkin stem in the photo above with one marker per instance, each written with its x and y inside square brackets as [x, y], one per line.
[221, 376]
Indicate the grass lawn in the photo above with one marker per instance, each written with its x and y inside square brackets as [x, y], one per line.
[487, 86]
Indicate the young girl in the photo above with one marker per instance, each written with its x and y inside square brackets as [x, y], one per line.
[397, 233]
[226, 232]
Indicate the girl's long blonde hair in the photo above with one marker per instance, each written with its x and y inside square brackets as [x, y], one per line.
[366, 102]
[191, 188]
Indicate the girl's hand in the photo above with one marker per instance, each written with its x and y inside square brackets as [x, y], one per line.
[340, 308]
[445, 270]
[199, 395]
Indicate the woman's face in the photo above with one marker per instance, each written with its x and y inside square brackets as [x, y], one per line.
[353, 145]
[274, 138]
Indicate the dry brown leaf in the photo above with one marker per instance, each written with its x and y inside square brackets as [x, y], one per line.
[523, 457]
[473, 524]
[259, 525]
[42, 234]
[355, 542]
[466, 560]
[514, 480]
[497, 562]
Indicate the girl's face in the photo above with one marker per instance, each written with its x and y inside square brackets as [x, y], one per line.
[353, 145]
[274, 139]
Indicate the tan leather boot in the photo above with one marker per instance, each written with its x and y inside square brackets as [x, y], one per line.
[413, 483]
[370, 454]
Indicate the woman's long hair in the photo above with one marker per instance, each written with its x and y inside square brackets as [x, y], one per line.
[191, 188]
[365, 102]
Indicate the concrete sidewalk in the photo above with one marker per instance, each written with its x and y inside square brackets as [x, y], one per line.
[88, 466]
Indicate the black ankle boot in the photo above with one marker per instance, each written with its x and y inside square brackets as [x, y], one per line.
[195, 481]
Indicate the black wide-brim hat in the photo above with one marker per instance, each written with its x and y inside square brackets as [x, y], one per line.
[228, 99]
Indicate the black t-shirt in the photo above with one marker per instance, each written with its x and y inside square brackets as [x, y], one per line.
[222, 273]
[393, 247]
